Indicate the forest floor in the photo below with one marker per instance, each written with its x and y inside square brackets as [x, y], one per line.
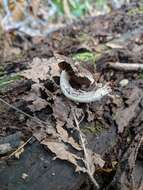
[50, 141]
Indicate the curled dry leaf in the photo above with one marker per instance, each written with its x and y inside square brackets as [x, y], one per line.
[80, 73]
[62, 112]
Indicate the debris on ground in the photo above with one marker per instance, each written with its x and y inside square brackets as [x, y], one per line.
[71, 105]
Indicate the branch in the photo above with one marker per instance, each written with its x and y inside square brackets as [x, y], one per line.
[126, 66]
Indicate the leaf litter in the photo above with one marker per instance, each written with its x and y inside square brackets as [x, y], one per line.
[57, 128]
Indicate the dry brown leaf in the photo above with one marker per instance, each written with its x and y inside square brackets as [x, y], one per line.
[61, 152]
[65, 137]
[40, 134]
[97, 160]
[34, 96]
[41, 69]
[61, 109]
[55, 71]
[17, 9]
[94, 160]
[90, 115]
[1, 3]
[34, 92]
[38, 104]
[35, 4]
[41, 131]
[79, 72]
[124, 116]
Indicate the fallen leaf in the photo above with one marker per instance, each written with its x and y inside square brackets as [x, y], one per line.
[79, 72]
[94, 160]
[61, 152]
[35, 4]
[61, 109]
[90, 115]
[124, 177]
[41, 69]
[66, 138]
[34, 93]
[17, 9]
[125, 115]
[38, 104]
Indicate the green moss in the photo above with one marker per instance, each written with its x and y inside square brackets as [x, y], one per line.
[97, 129]
[19, 55]
[141, 76]
[84, 37]
[1, 68]
[86, 56]
[2, 71]
[3, 108]
[6, 80]
[138, 10]
[114, 116]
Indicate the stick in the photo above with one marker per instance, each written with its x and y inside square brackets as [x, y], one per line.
[40, 122]
[85, 153]
[19, 148]
[126, 66]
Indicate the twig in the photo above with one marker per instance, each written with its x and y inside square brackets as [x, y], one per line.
[66, 9]
[126, 66]
[24, 113]
[19, 148]
[85, 153]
